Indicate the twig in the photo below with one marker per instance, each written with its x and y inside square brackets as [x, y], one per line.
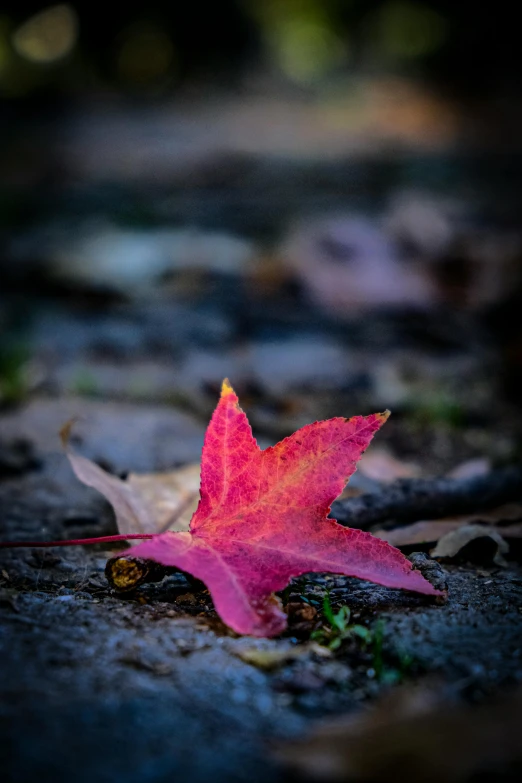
[408, 500]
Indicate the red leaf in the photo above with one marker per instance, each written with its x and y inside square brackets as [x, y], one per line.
[262, 518]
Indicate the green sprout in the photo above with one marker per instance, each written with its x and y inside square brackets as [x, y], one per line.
[388, 675]
[339, 628]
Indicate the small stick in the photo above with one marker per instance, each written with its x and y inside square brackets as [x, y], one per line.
[409, 500]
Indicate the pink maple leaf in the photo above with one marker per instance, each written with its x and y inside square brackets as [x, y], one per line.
[262, 518]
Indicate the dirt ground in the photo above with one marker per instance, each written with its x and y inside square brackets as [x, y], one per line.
[151, 686]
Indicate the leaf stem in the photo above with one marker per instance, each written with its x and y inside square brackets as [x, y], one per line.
[75, 541]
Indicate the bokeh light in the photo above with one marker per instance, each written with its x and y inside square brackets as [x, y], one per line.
[403, 30]
[48, 36]
[302, 38]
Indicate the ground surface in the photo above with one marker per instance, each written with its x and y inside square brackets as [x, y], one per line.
[151, 686]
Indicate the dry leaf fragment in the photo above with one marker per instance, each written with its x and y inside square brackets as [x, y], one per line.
[480, 466]
[424, 532]
[146, 503]
[429, 531]
[452, 543]
[380, 465]
[174, 495]
[347, 264]
[273, 658]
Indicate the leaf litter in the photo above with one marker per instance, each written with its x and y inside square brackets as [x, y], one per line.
[452, 534]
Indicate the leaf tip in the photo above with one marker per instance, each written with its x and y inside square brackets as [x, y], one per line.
[385, 415]
[226, 388]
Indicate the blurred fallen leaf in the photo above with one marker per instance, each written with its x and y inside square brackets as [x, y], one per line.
[132, 261]
[452, 543]
[146, 503]
[471, 468]
[269, 659]
[411, 735]
[424, 532]
[424, 224]
[432, 530]
[473, 265]
[380, 465]
[347, 263]
[174, 495]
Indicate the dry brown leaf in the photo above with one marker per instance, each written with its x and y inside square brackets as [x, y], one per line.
[429, 531]
[412, 736]
[452, 543]
[174, 495]
[316, 252]
[479, 466]
[272, 658]
[380, 465]
[145, 503]
[424, 532]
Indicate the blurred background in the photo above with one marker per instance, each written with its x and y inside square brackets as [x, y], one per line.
[317, 198]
